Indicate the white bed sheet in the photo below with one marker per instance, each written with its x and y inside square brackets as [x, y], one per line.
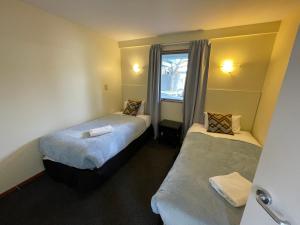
[146, 118]
[241, 136]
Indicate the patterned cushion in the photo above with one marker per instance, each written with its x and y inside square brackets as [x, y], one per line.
[218, 123]
[132, 107]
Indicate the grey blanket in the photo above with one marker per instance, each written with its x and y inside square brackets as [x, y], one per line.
[74, 147]
[186, 198]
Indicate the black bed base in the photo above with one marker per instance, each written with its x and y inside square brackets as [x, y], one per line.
[160, 222]
[86, 179]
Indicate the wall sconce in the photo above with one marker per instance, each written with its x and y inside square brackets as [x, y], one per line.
[136, 68]
[227, 66]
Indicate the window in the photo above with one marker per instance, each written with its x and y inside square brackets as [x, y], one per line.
[173, 74]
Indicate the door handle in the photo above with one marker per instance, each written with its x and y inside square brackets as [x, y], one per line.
[265, 200]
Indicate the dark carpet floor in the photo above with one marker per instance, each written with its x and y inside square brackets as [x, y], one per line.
[124, 199]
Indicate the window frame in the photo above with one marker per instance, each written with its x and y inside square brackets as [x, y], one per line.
[170, 52]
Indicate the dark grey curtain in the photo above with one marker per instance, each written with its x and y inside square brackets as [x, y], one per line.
[196, 84]
[153, 92]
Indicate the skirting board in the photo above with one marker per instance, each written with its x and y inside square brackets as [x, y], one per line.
[19, 186]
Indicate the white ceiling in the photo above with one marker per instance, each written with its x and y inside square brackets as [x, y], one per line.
[132, 19]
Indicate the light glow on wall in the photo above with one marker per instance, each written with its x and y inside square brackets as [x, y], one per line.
[136, 68]
[227, 66]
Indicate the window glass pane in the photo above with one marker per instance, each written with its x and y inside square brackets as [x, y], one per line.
[173, 74]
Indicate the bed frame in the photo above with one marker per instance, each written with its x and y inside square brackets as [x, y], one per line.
[86, 179]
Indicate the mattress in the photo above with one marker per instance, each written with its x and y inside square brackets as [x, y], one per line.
[73, 146]
[185, 196]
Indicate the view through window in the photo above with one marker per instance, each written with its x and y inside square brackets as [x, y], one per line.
[173, 74]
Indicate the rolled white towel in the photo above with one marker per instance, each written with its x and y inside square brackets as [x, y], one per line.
[101, 130]
[233, 187]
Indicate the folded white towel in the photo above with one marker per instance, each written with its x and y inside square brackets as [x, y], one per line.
[101, 130]
[233, 187]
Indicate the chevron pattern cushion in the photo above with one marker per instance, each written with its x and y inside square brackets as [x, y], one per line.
[218, 123]
[132, 107]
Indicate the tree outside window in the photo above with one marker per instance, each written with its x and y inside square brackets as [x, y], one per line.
[173, 75]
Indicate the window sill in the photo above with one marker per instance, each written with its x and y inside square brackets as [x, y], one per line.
[171, 100]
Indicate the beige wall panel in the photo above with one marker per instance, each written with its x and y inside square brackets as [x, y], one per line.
[250, 54]
[234, 102]
[240, 91]
[171, 111]
[275, 74]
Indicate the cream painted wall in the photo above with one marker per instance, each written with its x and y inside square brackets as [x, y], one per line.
[275, 75]
[52, 76]
[238, 94]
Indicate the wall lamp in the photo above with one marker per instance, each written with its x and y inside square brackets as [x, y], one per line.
[136, 68]
[228, 66]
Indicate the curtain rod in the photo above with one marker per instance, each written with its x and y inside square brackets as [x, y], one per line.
[171, 43]
[176, 43]
[181, 42]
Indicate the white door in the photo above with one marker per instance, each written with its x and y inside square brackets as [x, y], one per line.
[279, 167]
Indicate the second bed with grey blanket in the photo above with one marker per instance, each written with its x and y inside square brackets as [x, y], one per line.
[73, 146]
[186, 198]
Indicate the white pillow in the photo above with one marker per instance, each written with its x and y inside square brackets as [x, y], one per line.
[141, 109]
[236, 122]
